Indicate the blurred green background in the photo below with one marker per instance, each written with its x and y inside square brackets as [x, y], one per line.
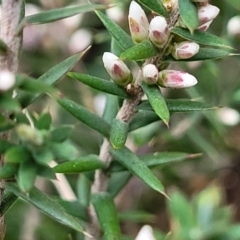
[215, 133]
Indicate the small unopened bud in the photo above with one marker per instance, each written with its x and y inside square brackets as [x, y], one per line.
[7, 80]
[205, 26]
[150, 74]
[117, 69]
[233, 26]
[207, 13]
[138, 22]
[176, 79]
[158, 31]
[184, 50]
[146, 232]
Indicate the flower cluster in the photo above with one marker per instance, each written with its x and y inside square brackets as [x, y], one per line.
[158, 32]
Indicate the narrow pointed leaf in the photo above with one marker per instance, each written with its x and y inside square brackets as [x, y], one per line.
[204, 38]
[100, 84]
[17, 154]
[188, 14]
[110, 109]
[107, 215]
[136, 216]
[84, 115]
[118, 133]
[61, 133]
[140, 51]
[47, 205]
[157, 101]
[121, 37]
[50, 78]
[202, 55]
[155, 6]
[44, 122]
[8, 200]
[57, 14]
[8, 170]
[83, 164]
[180, 105]
[129, 160]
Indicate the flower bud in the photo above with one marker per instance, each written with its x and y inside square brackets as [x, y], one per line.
[150, 74]
[7, 80]
[184, 50]
[233, 26]
[138, 22]
[176, 79]
[205, 26]
[117, 69]
[158, 31]
[207, 13]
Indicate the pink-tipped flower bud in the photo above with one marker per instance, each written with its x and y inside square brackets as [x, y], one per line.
[207, 13]
[7, 80]
[159, 31]
[117, 69]
[150, 74]
[176, 79]
[138, 22]
[184, 50]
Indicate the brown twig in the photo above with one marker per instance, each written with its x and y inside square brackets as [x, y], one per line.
[11, 15]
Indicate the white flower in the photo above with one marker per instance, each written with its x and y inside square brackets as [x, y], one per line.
[184, 50]
[7, 80]
[117, 69]
[233, 26]
[176, 79]
[138, 22]
[158, 31]
[150, 74]
[207, 13]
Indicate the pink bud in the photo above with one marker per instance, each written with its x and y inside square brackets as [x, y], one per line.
[150, 74]
[184, 50]
[176, 79]
[207, 13]
[158, 31]
[138, 22]
[117, 69]
[7, 80]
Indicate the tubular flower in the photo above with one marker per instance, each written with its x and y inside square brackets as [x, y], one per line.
[138, 22]
[7, 80]
[207, 13]
[117, 69]
[158, 31]
[150, 74]
[176, 79]
[184, 50]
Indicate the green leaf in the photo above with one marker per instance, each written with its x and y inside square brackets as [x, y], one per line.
[129, 160]
[136, 216]
[83, 164]
[204, 38]
[121, 37]
[26, 176]
[44, 122]
[8, 103]
[50, 78]
[57, 14]
[140, 51]
[5, 145]
[157, 101]
[46, 205]
[17, 154]
[202, 55]
[84, 185]
[8, 170]
[74, 208]
[111, 108]
[107, 215]
[8, 200]
[100, 84]
[180, 105]
[118, 133]
[117, 181]
[188, 14]
[46, 172]
[5, 124]
[85, 116]
[61, 133]
[155, 6]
